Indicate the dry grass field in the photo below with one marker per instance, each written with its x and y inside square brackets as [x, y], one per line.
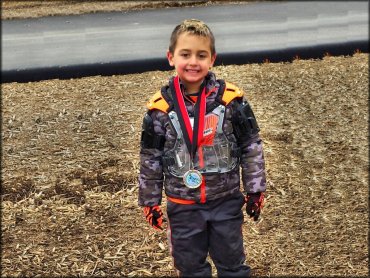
[70, 158]
[70, 165]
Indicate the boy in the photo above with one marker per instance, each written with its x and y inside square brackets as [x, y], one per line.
[197, 133]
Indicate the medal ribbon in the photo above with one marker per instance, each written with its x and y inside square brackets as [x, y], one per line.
[193, 136]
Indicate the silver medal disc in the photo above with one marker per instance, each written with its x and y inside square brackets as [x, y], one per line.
[192, 179]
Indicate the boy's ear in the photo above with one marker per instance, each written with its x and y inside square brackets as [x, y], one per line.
[213, 59]
[170, 58]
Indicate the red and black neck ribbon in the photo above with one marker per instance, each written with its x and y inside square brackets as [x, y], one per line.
[192, 136]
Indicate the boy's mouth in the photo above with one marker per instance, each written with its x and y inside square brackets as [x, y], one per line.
[192, 71]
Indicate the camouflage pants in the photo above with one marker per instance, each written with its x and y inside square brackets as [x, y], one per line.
[214, 227]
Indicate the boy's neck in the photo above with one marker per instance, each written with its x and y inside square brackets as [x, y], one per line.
[191, 90]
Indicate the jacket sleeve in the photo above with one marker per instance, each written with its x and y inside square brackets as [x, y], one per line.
[253, 165]
[252, 159]
[151, 175]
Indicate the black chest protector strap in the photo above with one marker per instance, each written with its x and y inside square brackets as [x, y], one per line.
[244, 121]
[149, 139]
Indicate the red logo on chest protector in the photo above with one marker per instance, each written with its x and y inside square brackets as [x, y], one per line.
[210, 127]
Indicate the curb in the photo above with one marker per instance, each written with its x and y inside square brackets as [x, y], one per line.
[139, 66]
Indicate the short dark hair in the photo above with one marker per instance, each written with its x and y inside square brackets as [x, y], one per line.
[195, 27]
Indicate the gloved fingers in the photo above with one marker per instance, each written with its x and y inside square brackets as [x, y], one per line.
[254, 211]
[157, 224]
[251, 213]
[157, 214]
[254, 205]
[257, 213]
[147, 212]
[160, 217]
[262, 201]
[150, 219]
[251, 207]
[154, 216]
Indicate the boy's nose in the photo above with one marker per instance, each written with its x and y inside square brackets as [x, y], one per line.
[193, 60]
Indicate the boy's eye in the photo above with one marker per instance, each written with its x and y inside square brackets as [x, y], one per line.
[184, 54]
[202, 56]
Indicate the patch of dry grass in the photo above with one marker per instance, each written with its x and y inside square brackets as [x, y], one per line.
[32, 9]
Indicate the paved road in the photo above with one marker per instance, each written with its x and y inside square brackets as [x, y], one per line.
[122, 42]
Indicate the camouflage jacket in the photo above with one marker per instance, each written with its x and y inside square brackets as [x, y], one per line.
[153, 177]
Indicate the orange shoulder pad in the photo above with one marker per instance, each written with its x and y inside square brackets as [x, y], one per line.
[231, 92]
[157, 102]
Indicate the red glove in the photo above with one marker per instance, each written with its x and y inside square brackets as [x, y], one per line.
[255, 202]
[154, 216]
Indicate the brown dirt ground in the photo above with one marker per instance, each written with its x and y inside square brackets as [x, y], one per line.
[70, 165]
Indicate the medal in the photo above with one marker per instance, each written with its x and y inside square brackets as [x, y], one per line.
[192, 179]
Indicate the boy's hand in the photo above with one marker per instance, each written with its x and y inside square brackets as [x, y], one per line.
[154, 216]
[255, 202]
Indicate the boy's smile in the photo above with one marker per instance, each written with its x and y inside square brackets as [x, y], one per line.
[192, 59]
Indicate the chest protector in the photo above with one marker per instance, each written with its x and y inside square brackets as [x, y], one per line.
[216, 154]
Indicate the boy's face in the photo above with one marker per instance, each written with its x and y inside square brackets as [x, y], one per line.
[192, 59]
